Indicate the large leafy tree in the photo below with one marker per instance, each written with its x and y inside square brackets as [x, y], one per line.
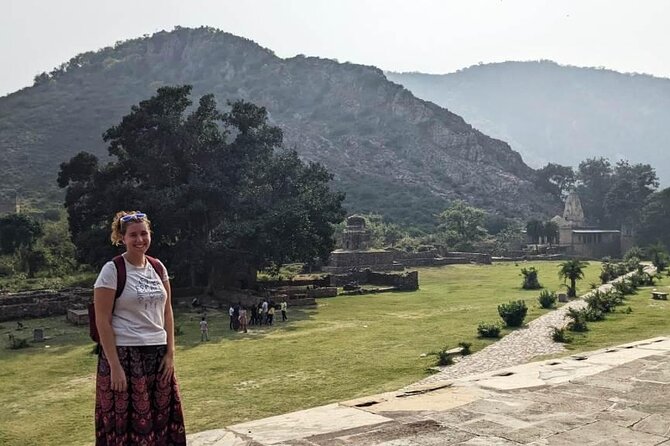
[18, 231]
[556, 179]
[654, 219]
[572, 270]
[461, 225]
[535, 230]
[216, 185]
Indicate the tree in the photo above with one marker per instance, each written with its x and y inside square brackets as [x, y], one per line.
[658, 256]
[572, 270]
[631, 186]
[216, 186]
[654, 218]
[18, 231]
[556, 179]
[595, 178]
[461, 225]
[535, 230]
[550, 231]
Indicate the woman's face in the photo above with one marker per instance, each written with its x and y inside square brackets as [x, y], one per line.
[137, 238]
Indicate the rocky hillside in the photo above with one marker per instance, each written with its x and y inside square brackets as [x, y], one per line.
[553, 113]
[389, 151]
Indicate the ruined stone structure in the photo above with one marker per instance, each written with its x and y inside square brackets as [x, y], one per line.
[43, 303]
[578, 239]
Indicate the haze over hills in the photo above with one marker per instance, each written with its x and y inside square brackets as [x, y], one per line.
[560, 114]
[389, 151]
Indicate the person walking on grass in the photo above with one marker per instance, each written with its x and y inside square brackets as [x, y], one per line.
[243, 319]
[283, 307]
[271, 313]
[231, 314]
[137, 398]
[204, 330]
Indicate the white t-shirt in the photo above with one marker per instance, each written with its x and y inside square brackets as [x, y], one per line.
[139, 312]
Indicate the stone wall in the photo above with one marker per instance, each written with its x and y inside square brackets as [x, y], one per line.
[408, 281]
[42, 303]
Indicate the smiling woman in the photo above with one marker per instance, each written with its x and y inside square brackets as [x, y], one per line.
[137, 396]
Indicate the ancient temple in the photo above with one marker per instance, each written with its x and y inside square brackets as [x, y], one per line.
[355, 252]
[576, 238]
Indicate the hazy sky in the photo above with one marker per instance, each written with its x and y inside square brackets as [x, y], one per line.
[432, 36]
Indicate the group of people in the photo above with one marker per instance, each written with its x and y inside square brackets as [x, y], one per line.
[263, 313]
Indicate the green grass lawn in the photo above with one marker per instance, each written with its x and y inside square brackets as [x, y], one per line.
[344, 348]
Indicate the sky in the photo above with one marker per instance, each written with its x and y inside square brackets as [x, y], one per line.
[430, 36]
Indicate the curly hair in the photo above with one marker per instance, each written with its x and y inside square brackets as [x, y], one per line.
[119, 227]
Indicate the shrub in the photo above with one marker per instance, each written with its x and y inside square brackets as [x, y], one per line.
[559, 335]
[530, 281]
[466, 348]
[17, 343]
[513, 313]
[593, 315]
[603, 301]
[547, 299]
[628, 310]
[578, 322]
[444, 358]
[485, 330]
[624, 287]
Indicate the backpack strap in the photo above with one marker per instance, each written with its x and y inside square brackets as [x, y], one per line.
[120, 264]
[156, 265]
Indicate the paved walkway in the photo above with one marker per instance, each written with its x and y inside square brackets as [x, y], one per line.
[518, 347]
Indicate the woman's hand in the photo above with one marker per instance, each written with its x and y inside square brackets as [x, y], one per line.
[119, 381]
[167, 366]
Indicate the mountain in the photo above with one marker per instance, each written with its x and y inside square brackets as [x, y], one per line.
[560, 114]
[389, 151]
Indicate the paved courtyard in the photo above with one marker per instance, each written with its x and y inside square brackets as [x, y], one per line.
[617, 396]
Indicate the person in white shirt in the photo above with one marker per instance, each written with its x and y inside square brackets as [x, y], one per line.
[204, 330]
[136, 331]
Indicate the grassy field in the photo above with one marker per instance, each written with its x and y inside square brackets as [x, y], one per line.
[344, 348]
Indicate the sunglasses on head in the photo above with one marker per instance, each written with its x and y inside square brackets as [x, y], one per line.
[130, 217]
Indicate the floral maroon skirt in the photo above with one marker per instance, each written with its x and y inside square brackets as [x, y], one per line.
[148, 413]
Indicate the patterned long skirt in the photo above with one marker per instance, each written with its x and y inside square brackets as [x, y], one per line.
[148, 413]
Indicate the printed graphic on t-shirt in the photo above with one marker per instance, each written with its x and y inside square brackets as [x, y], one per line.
[149, 292]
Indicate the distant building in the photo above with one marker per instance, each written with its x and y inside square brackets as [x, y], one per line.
[576, 238]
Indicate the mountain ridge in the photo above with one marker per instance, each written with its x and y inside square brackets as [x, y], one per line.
[391, 152]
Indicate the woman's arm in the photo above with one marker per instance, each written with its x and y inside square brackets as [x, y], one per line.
[103, 300]
[167, 365]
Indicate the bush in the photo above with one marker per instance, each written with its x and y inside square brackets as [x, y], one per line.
[603, 302]
[559, 335]
[17, 343]
[466, 348]
[513, 313]
[547, 299]
[624, 287]
[593, 315]
[578, 322]
[530, 281]
[444, 358]
[485, 330]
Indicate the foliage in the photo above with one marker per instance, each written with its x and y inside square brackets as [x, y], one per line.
[18, 231]
[444, 358]
[578, 322]
[556, 179]
[572, 270]
[624, 287]
[465, 348]
[614, 195]
[560, 335]
[513, 313]
[530, 280]
[547, 299]
[604, 302]
[15, 343]
[216, 185]
[509, 239]
[487, 330]
[654, 218]
[535, 230]
[461, 225]
[658, 255]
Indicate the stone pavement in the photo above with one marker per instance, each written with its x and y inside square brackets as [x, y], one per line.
[612, 396]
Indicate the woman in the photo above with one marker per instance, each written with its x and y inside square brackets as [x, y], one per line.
[137, 397]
